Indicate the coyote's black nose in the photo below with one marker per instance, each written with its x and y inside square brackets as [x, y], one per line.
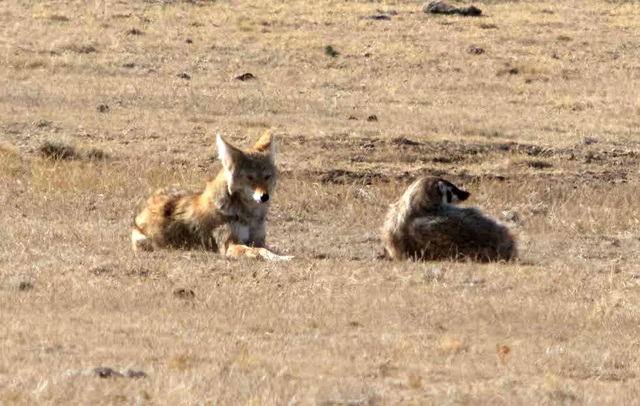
[264, 197]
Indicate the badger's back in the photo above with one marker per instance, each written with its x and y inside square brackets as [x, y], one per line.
[446, 231]
[460, 233]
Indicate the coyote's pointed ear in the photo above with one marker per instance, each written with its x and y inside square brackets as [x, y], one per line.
[266, 143]
[228, 154]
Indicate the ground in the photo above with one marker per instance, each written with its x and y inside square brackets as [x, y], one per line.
[533, 107]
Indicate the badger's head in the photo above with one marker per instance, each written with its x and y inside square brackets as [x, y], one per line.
[431, 191]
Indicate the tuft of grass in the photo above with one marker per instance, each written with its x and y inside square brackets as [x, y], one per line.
[10, 162]
[80, 48]
[450, 345]
[180, 362]
[538, 164]
[57, 151]
[491, 134]
[96, 154]
[414, 381]
[59, 18]
[329, 50]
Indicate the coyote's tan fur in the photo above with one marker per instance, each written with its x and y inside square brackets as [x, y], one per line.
[424, 224]
[228, 216]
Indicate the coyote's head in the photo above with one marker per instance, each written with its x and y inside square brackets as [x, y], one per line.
[252, 172]
[429, 191]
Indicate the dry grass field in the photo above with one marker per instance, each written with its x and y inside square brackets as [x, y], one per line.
[533, 107]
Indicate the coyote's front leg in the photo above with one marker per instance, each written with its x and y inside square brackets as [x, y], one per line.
[241, 250]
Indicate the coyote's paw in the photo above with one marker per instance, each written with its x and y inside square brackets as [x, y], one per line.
[140, 242]
[283, 257]
[268, 255]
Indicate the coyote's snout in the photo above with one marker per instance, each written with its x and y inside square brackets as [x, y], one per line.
[424, 224]
[260, 195]
[228, 216]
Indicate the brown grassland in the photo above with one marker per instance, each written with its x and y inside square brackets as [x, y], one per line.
[542, 127]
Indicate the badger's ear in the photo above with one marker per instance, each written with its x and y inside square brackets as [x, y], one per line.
[266, 143]
[227, 153]
[461, 194]
[450, 192]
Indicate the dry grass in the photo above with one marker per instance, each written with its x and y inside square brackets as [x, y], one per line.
[541, 127]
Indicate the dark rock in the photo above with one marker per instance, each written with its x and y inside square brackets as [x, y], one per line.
[24, 286]
[330, 51]
[136, 374]
[245, 77]
[106, 372]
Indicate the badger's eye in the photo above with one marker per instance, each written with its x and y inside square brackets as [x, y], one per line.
[267, 177]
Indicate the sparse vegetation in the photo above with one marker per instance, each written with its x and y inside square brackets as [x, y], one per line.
[335, 325]
[57, 151]
[330, 51]
[96, 154]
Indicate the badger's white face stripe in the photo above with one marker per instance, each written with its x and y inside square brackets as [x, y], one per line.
[445, 191]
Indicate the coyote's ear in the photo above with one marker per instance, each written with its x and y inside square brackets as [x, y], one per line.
[266, 143]
[228, 154]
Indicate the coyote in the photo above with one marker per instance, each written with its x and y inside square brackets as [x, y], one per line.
[424, 224]
[228, 216]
